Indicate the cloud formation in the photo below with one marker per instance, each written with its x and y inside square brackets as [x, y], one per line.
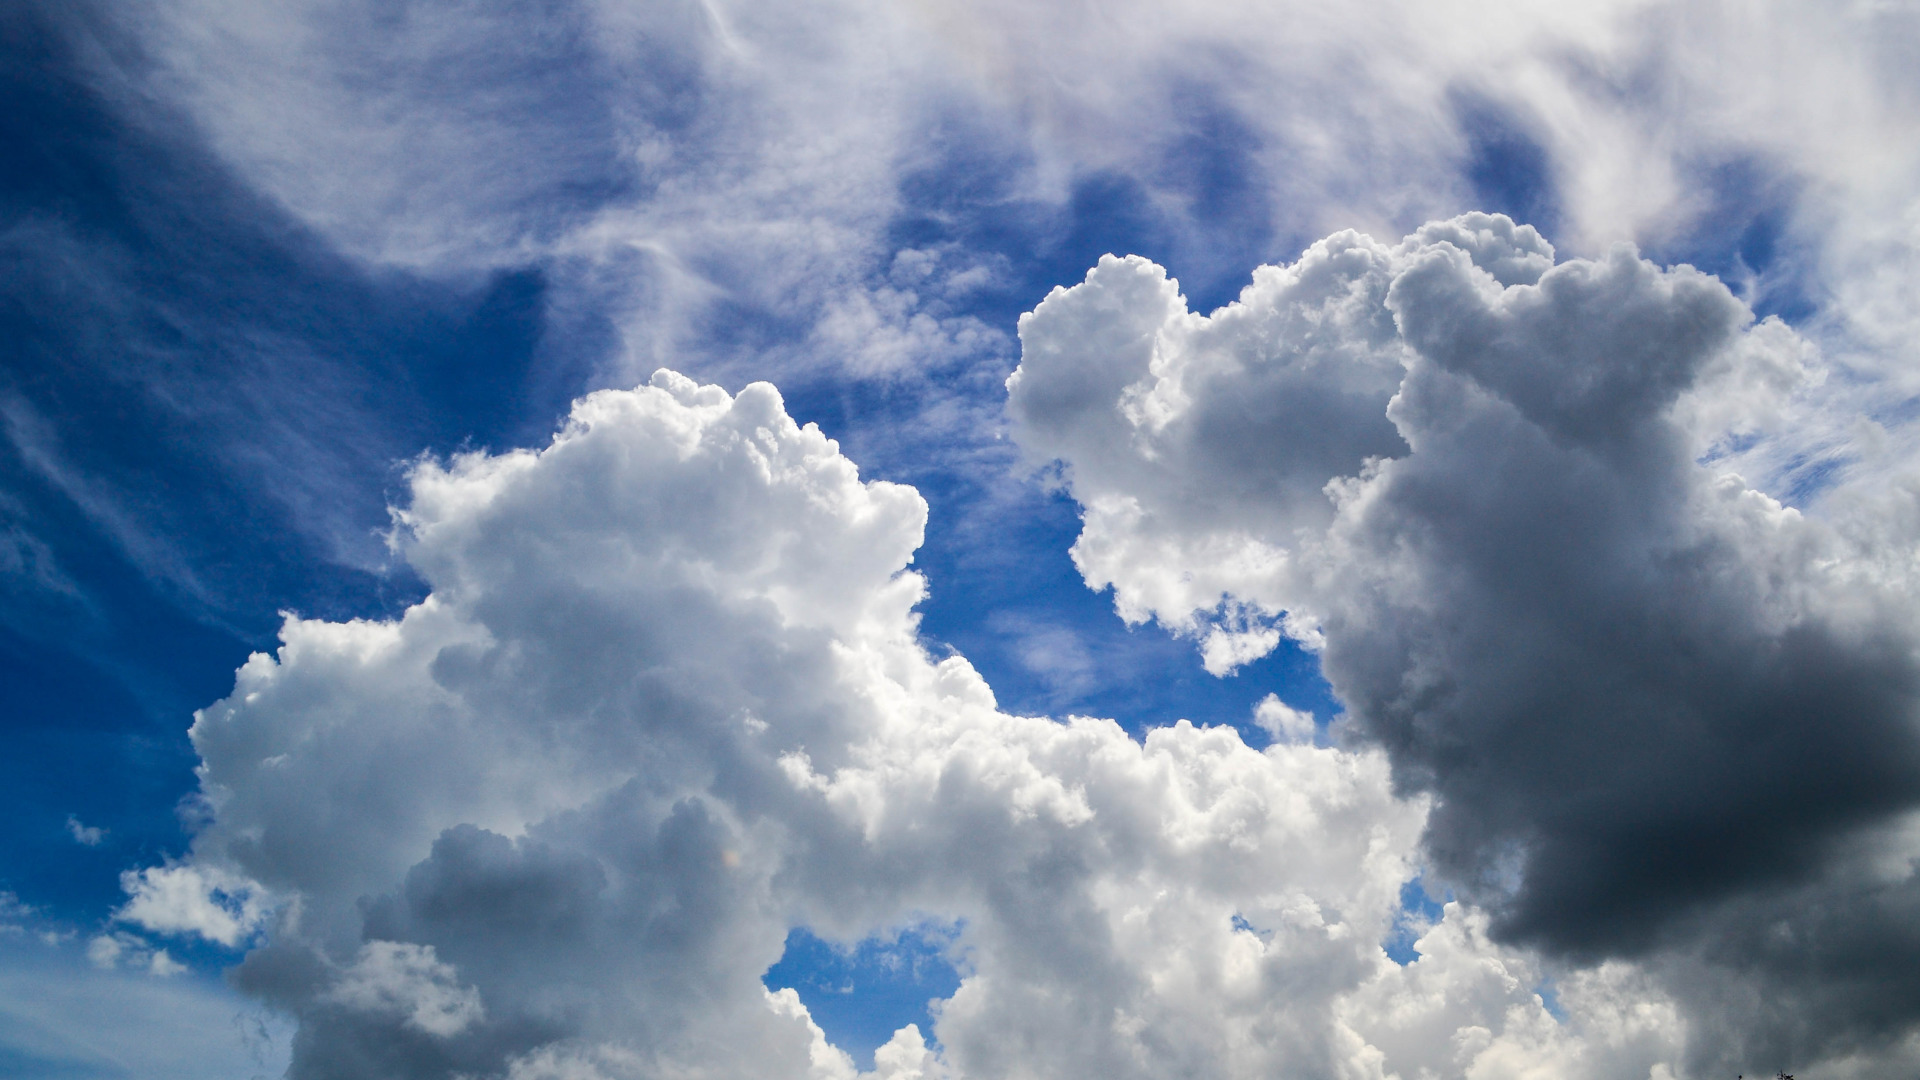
[665, 702]
[656, 711]
[1649, 701]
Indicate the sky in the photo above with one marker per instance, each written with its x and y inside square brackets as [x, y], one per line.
[593, 539]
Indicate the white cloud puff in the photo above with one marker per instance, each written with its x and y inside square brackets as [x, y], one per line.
[193, 900]
[666, 701]
[1644, 695]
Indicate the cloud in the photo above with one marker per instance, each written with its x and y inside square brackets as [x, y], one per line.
[204, 901]
[1282, 722]
[666, 702]
[121, 949]
[85, 835]
[1647, 699]
[844, 196]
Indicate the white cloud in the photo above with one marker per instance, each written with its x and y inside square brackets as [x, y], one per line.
[13, 913]
[666, 701]
[1602, 653]
[1281, 721]
[86, 835]
[202, 900]
[1270, 398]
[104, 950]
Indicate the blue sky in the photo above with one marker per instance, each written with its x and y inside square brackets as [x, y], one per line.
[293, 290]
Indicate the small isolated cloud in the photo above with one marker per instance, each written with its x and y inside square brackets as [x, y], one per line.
[105, 950]
[1282, 722]
[86, 835]
[164, 965]
[192, 899]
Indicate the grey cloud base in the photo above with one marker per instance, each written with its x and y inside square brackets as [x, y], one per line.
[1661, 714]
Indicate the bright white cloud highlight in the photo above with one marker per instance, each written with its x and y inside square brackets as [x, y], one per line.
[193, 900]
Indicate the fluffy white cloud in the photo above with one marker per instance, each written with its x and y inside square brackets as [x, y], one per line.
[1645, 695]
[666, 701]
[193, 900]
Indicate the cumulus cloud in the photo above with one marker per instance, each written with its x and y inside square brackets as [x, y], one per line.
[1647, 699]
[85, 835]
[203, 901]
[666, 701]
[1281, 721]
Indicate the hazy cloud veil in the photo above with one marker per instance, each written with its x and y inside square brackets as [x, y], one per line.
[1606, 547]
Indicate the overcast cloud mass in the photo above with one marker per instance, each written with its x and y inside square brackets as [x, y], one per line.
[598, 540]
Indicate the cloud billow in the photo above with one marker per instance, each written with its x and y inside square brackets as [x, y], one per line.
[1650, 701]
[666, 701]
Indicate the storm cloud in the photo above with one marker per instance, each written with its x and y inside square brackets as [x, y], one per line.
[1649, 701]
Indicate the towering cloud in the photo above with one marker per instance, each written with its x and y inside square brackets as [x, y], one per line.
[1660, 713]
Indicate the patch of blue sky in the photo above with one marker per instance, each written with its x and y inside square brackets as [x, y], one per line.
[861, 994]
[1744, 235]
[1003, 590]
[1419, 911]
[1508, 170]
[1549, 996]
[1198, 204]
[1807, 477]
[253, 399]
[1018, 609]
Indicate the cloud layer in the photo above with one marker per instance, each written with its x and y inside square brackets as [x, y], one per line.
[1658, 710]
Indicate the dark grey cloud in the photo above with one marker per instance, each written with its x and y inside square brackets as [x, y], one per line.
[1601, 673]
[1661, 715]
